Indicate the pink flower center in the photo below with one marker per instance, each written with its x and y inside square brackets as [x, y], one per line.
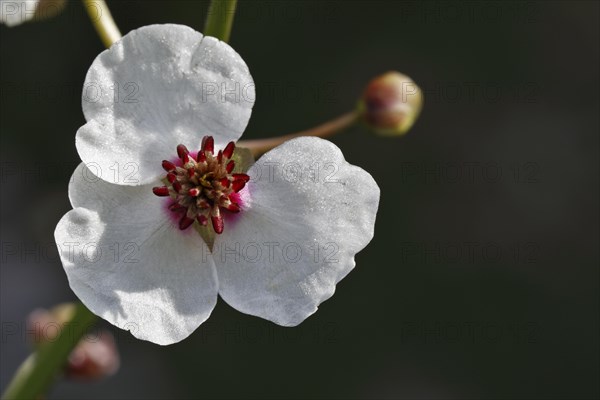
[203, 186]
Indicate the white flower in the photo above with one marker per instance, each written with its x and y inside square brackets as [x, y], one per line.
[16, 12]
[134, 259]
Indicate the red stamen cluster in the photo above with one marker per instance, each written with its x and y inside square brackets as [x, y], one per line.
[204, 185]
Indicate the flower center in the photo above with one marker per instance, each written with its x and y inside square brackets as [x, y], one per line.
[203, 186]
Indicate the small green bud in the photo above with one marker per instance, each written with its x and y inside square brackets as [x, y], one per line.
[391, 104]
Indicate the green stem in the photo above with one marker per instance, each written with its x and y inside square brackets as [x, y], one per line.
[220, 19]
[37, 373]
[103, 21]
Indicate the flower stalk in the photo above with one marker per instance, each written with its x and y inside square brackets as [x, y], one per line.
[260, 146]
[219, 20]
[39, 370]
[103, 21]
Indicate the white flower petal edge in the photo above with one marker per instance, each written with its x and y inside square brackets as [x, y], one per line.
[298, 233]
[132, 266]
[159, 86]
[13, 12]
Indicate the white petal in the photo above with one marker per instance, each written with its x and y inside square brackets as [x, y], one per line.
[297, 235]
[159, 86]
[130, 264]
[16, 12]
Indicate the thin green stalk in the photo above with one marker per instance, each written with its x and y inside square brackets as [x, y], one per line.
[37, 373]
[260, 146]
[219, 20]
[103, 21]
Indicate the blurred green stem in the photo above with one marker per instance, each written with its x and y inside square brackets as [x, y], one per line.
[38, 371]
[103, 21]
[220, 19]
[330, 128]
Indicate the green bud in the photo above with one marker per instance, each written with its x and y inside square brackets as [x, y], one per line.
[391, 104]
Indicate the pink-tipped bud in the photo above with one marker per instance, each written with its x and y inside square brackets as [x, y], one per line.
[238, 185]
[230, 166]
[208, 144]
[391, 104]
[228, 152]
[217, 223]
[185, 222]
[177, 186]
[168, 166]
[182, 152]
[161, 191]
[95, 357]
[177, 207]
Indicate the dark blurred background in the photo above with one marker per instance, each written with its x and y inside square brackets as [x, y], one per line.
[482, 279]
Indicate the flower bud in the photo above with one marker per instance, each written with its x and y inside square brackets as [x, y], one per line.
[95, 356]
[44, 326]
[391, 104]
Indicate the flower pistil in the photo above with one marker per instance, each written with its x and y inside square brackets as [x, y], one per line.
[203, 185]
